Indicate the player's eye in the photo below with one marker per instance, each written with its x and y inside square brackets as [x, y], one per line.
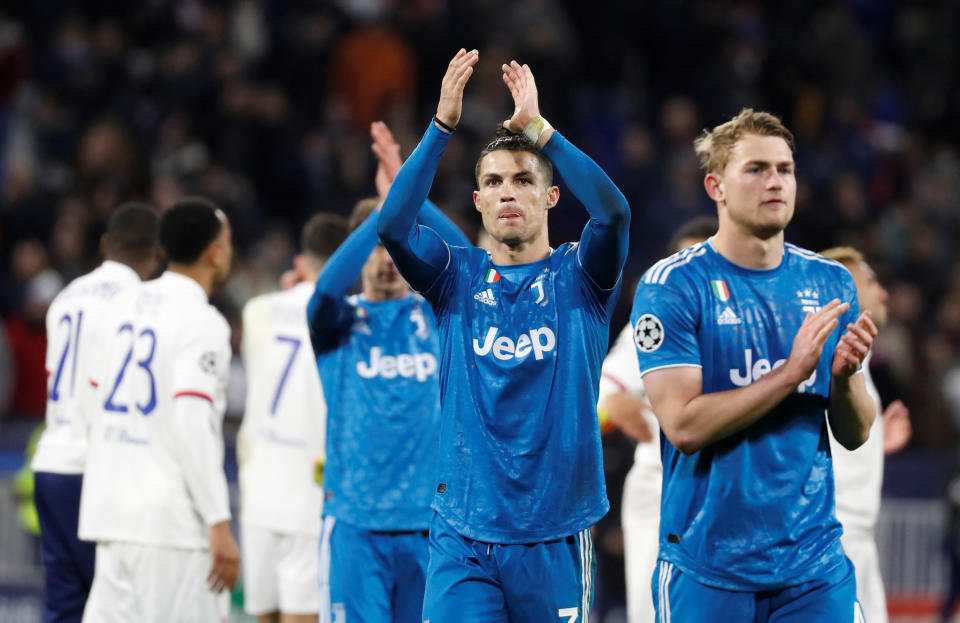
[492, 181]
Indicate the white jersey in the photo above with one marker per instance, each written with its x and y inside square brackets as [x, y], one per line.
[283, 429]
[155, 466]
[858, 474]
[621, 373]
[74, 332]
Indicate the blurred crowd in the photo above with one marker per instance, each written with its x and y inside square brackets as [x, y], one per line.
[265, 106]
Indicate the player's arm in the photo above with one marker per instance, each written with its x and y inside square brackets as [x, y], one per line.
[852, 408]
[327, 311]
[419, 253]
[603, 246]
[202, 361]
[622, 398]
[387, 151]
[692, 420]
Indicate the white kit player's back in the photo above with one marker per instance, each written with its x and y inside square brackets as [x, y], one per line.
[283, 430]
[163, 342]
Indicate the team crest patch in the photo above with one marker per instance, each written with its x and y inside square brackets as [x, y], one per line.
[648, 333]
[208, 362]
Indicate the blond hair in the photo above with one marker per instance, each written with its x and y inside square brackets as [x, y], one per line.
[713, 147]
[844, 255]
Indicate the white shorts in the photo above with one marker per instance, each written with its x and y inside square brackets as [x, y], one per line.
[280, 572]
[640, 520]
[137, 583]
[861, 548]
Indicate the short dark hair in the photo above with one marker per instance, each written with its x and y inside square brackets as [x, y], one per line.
[188, 228]
[322, 234]
[700, 227]
[361, 211]
[132, 232]
[505, 140]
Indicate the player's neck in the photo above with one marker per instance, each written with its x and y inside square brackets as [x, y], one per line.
[748, 251]
[200, 274]
[505, 254]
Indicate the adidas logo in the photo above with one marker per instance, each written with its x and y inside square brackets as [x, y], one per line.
[486, 297]
[727, 316]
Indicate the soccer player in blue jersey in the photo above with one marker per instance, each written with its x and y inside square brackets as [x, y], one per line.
[377, 354]
[745, 342]
[523, 330]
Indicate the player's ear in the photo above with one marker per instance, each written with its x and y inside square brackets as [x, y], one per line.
[476, 200]
[714, 187]
[553, 196]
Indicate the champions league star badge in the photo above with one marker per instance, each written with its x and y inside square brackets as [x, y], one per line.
[648, 333]
[208, 362]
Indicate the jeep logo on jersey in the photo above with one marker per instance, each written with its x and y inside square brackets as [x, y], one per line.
[420, 365]
[538, 341]
[754, 370]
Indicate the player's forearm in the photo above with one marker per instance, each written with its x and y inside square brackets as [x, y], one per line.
[398, 217]
[709, 418]
[605, 240]
[418, 252]
[338, 274]
[200, 455]
[851, 411]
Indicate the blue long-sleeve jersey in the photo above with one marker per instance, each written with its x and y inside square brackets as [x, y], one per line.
[378, 365]
[522, 345]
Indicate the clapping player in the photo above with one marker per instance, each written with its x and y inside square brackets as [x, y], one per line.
[523, 331]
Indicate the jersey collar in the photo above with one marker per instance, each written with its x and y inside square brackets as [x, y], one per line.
[186, 284]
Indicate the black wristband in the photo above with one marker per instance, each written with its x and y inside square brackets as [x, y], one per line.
[443, 125]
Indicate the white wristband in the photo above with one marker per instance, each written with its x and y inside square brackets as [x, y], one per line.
[535, 129]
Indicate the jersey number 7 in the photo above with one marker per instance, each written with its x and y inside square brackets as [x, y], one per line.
[295, 346]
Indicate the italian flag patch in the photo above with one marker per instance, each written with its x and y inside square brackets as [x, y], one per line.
[720, 290]
[492, 276]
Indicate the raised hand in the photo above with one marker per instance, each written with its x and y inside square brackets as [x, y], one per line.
[451, 89]
[808, 343]
[523, 88]
[853, 347]
[387, 151]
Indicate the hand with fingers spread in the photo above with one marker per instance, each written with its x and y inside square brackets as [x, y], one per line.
[225, 558]
[523, 88]
[451, 89]
[387, 151]
[809, 341]
[853, 347]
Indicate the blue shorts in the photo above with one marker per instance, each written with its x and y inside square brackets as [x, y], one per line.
[371, 576]
[677, 597]
[548, 582]
[68, 562]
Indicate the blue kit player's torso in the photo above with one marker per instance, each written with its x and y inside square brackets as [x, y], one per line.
[520, 457]
[754, 511]
[380, 382]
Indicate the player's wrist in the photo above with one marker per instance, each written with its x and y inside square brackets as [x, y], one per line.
[444, 126]
[536, 130]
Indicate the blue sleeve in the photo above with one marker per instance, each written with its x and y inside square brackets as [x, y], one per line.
[327, 310]
[431, 216]
[664, 320]
[419, 252]
[605, 239]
